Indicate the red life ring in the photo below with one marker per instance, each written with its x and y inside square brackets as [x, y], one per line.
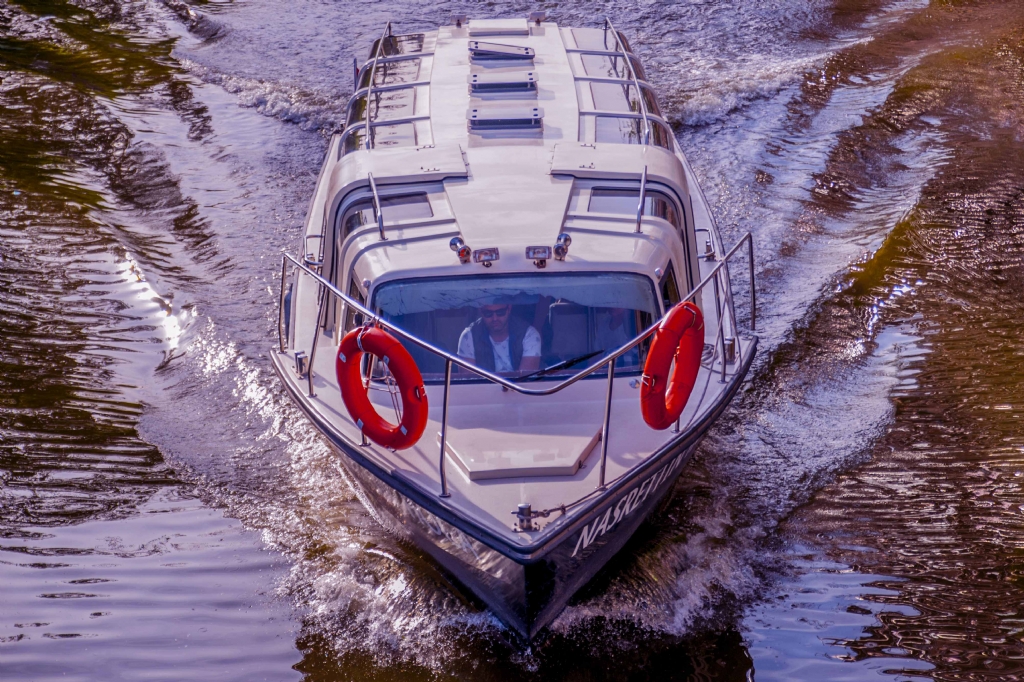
[680, 337]
[407, 375]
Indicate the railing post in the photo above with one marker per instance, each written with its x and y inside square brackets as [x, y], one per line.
[607, 420]
[721, 327]
[280, 309]
[444, 425]
[316, 337]
[753, 294]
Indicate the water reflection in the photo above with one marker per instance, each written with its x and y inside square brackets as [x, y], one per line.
[939, 505]
[814, 626]
[148, 591]
[107, 564]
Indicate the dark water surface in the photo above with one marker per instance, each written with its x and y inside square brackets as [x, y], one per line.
[165, 513]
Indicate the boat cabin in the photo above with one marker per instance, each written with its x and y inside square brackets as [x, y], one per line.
[522, 144]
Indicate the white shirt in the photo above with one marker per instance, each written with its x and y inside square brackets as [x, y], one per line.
[502, 354]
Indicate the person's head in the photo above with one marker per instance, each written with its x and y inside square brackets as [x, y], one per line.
[495, 317]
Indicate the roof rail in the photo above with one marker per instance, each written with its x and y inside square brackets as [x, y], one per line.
[369, 92]
[632, 76]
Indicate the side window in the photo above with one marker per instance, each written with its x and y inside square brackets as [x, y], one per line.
[622, 97]
[358, 214]
[384, 105]
[395, 45]
[624, 202]
[594, 39]
[618, 130]
[669, 288]
[611, 66]
[381, 135]
[354, 319]
[621, 130]
[390, 73]
[661, 207]
[406, 207]
[661, 136]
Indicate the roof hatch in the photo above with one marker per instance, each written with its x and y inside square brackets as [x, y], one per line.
[503, 82]
[505, 117]
[478, 49]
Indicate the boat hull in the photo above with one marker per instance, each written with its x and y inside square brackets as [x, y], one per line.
[524, 585]
[526, 595]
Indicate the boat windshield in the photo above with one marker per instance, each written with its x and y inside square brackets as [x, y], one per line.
[519, 325]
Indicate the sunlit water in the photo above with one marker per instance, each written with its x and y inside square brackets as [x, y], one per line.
[166, 513]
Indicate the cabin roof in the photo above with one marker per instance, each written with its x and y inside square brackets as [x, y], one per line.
[507, 187]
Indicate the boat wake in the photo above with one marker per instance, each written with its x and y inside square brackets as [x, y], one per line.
[312, 111]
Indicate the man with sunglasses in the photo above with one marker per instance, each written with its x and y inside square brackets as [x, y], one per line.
[498, 341]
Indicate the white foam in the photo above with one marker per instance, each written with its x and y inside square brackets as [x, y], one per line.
[735, 85]
[310, 110]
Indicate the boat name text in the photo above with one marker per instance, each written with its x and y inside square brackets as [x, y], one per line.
[626, 506]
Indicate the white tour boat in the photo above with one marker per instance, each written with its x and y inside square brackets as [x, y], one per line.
[512, 315]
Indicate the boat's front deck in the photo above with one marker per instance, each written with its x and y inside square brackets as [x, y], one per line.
[504, 448]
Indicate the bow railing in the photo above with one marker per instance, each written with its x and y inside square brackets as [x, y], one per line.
[723, 353]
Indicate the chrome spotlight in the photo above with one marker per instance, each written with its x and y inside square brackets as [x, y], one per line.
[460, 248]
[539, 255]
[486, 256]
[562, 246]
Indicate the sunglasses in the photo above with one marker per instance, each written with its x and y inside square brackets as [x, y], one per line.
[500, 312]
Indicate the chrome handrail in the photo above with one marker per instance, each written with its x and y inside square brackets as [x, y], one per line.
[369, 86]
[609, 360]
[373, 318]
[636, 81]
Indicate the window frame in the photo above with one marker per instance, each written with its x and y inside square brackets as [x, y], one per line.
[352, 118]
[364, 72]
[669, 279]
[588, 128]
[652, 188]
[367, 199]
[646, 92]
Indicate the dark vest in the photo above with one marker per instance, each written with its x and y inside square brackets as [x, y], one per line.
[483, 351]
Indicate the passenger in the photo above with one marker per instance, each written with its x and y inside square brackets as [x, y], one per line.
[500, 342]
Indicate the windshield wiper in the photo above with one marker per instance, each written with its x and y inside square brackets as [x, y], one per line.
[564, 364]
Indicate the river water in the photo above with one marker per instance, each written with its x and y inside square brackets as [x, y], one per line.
[166, 513]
